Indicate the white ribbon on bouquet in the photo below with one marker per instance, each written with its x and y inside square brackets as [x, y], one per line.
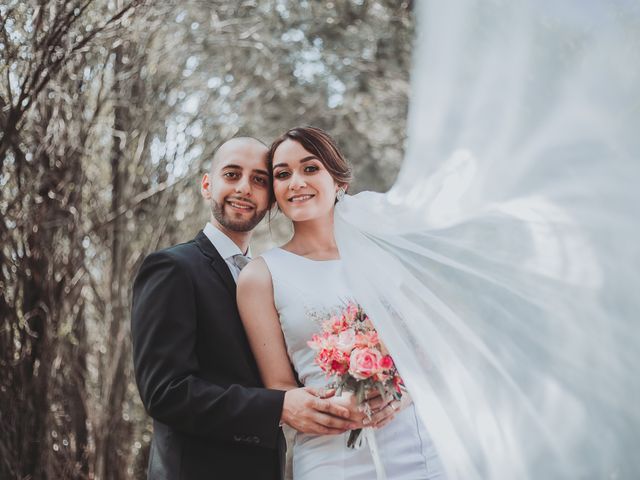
[368, 436]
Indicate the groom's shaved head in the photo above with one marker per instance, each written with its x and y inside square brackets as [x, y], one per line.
[237, 145]
[238, 185]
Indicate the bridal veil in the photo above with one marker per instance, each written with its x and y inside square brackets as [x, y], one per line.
[502, 267]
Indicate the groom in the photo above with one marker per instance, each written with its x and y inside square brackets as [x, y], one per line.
[195, 371]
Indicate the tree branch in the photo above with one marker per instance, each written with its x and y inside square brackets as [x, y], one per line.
[140, 198]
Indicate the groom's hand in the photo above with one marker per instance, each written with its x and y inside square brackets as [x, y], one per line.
[305, 411]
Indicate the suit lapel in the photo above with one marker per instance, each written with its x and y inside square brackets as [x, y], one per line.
[217, 262]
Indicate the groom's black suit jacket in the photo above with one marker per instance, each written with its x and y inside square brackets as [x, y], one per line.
[196, 374]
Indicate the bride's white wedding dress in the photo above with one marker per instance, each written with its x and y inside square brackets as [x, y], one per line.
[305, 291]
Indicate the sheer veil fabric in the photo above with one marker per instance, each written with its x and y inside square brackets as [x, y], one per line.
[501, 269]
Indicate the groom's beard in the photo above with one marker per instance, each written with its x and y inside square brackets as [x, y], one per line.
[232, 224]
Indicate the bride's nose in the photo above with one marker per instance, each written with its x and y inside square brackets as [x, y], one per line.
[296, 182]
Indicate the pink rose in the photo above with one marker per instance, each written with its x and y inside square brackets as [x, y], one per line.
[386, 363]
[365, 362]
[346, 341]
[367, 339]
[319, 342]
[340, 363]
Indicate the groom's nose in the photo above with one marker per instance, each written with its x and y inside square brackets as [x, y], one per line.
[243, 186]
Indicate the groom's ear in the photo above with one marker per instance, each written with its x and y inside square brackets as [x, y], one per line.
[205, 187]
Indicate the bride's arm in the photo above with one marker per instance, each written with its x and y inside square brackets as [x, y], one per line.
[261, 322]
[302, 409]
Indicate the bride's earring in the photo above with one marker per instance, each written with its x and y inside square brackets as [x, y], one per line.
[340, 194]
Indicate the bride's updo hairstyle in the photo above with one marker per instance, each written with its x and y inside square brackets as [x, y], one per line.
[318, 143]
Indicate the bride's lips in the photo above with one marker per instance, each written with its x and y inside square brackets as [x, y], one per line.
[240, 205]
[300, 198]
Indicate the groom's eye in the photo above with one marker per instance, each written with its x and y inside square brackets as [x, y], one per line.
[261, 180]
[231, 174]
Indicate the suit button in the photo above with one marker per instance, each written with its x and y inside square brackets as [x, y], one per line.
[237, 438]
[255, 440]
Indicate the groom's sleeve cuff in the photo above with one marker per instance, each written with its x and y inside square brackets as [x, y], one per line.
[265, 424]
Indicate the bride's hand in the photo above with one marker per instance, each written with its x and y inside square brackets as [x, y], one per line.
[388, 411]
[382, 410]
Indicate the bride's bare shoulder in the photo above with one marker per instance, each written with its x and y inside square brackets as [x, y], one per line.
[254, 293]
[254, 278]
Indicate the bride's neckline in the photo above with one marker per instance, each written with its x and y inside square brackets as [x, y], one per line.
[307, 258]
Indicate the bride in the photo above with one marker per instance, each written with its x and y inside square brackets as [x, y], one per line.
[282, 296]
[501, 269]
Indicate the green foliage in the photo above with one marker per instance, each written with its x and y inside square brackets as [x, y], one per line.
[109, 114]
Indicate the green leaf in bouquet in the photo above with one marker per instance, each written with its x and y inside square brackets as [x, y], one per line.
[383, 392]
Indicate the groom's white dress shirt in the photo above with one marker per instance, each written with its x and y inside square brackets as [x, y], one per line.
[226, 248]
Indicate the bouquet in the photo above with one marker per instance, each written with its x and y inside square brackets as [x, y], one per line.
[349, 351]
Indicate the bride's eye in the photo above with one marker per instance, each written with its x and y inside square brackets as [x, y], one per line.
[311, 168]
[281, 174]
